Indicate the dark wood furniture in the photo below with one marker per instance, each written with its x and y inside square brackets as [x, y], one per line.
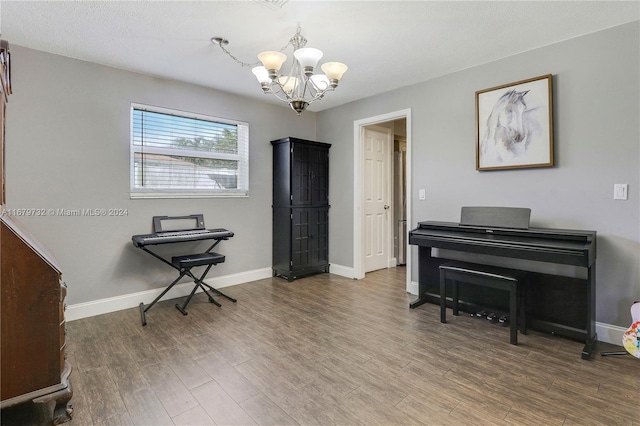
[34, 372]
[509, 280]
[34, 366]
[557, 304]
[300, 207]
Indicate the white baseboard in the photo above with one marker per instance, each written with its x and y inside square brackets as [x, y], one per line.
[413, 288]
[343, 271]
[610, 333]
[126, 301]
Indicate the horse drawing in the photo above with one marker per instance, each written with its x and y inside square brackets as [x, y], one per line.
[511, 127]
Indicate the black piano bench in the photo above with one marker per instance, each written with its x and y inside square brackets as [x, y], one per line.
[191, 260]
[184, 265]
[510, 280]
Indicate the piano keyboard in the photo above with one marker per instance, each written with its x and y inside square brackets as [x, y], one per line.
[181, 236]
[181, 233]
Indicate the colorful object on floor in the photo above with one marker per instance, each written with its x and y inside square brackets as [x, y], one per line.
[631, 337]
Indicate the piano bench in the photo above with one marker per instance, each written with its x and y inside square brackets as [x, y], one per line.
[510, 280]
[191, 260]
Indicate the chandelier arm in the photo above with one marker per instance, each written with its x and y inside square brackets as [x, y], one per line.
[319, 92]
[279, 92]
[313, 88]
[314, 98]
[318, 89]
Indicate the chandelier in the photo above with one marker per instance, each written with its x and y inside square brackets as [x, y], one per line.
[300, 86]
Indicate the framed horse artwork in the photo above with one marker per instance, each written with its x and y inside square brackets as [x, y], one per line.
[515, 125]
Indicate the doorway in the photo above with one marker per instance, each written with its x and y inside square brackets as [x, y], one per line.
[398, 203]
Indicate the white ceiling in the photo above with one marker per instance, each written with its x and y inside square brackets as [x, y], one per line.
[386, 44]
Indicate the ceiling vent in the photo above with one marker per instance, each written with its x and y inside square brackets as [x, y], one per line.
[272, 4]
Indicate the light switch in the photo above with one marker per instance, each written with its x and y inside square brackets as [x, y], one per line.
[620, 191]
[421, 194]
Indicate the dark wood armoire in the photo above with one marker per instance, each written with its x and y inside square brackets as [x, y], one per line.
[300, 207]
[34, 372]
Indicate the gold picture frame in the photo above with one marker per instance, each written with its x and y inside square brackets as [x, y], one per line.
[514, 125]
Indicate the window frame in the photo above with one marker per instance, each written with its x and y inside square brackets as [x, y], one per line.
[242, 157]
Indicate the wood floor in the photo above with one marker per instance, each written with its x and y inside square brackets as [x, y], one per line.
[333, 351]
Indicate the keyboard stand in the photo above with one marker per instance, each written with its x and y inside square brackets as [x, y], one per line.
[184, 264]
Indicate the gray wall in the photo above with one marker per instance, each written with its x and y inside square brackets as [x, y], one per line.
[597, 143]
[68, 148]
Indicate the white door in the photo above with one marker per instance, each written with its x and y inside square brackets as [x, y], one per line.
[377, 190]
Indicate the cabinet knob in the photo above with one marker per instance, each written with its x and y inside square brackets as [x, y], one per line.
[386, 207]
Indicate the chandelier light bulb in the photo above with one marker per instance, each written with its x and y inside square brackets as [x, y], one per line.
[272, 61]
[334, 70]
[308, 58]
[288, 84]
[261, 74]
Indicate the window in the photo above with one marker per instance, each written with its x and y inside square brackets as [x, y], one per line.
[175, 154]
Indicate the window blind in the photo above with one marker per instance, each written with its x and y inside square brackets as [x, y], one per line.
[177, 154]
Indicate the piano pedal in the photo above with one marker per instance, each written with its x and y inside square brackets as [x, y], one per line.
[504, 320]
[492, 317]
[481, 314]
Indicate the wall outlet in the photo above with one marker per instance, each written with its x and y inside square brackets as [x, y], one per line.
[620, 191]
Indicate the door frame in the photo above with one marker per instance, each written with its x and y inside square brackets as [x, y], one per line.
[358, 189]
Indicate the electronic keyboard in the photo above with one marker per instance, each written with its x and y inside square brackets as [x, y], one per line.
[181, 236]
